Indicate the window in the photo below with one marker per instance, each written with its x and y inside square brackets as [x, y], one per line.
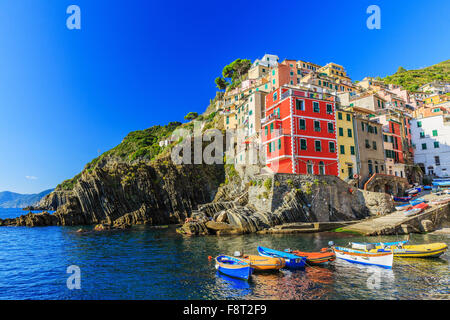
[362, 126]
[341, 132]
[316, 107]
[437, 161]
[329, 108]
[370, 167]
[374, 145]
[267, 130]
[349, 133]
[270, 147]
[302, 124]
[228, 122]
[342, 149]
[321, 167]
[376, 167]
[330, 127]
[271, 127]
[435, 133]
[375, 130]
[332, 147]
[318, 145]
[436, 144]
[419, 124]
[279, 144]
[340, 115]
[303, 145]
[273, 73]
[275, 96]
[349, 117]
[352, 150]
[300, 105]
[309, 167]
[424, 146]
[317, 126]
[422, 135]
[367, 144]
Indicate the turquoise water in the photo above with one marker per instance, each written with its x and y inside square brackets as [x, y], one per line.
[148, 263]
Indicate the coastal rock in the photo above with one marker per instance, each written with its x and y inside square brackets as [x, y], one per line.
[427, 225]
[217, 226]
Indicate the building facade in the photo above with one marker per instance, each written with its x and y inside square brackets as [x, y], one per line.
[299, 132]
[346, 146]
[431, 139]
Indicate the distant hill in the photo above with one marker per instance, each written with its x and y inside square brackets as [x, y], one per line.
[16, 200]
[413, 79]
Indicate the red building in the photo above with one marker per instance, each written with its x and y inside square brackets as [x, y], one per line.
[299, 132]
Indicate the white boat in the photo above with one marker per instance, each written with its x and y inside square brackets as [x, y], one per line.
[413, 211]
[381, 259]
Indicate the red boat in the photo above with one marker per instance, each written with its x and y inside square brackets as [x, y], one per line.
[325, 255]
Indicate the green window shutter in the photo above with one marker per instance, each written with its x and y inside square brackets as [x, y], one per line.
[270, 147]
[267, 130]
[302, 124]
[436, 144]
[352, 150]
[341, 132]
[349, 117]
[303, 144]
[342, 149]
[340, 115]
[419, 124]
[318, 146]
[435, 133]
[424, 146]
[271, 127]
[330, 127]
[332, 147]
[349, 132]
[279, 144]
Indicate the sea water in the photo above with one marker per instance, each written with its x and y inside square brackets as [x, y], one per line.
[150, 263]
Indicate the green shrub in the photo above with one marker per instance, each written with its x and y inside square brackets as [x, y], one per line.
[268, 184]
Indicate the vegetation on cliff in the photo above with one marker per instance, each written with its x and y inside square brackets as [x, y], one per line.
[412, 79]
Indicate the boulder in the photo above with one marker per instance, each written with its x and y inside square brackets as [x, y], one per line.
[427, 225]
[217, 226]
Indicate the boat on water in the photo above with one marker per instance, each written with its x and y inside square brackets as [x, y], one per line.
[233, 267]
[403, 207]
[381, 259]
[323, 257]
[262, 263]
[402, 199]
[403, 250]
[416, 209]
[292, 261]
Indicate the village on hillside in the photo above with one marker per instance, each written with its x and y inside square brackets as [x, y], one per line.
[313, 119]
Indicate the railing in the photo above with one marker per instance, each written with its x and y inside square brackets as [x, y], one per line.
[270, 117]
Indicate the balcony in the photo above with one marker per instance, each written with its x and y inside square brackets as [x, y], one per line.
[270, 117]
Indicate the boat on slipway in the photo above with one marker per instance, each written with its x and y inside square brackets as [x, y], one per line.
[403, 207]
[380, 259]
[292, 261]
[233, 267]
[416, 209]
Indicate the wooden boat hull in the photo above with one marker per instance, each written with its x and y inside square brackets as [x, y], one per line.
[233, 267]
[292, 261]
[382, 259]
[431, 250]
[261, 263]
[315, 258]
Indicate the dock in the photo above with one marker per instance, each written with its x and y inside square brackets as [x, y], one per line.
[397, 223]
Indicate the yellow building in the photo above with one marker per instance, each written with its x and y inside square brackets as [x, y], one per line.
[437, 99]
[335, 70]
[346, 149]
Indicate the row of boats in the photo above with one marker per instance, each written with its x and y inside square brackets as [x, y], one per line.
[380, 254]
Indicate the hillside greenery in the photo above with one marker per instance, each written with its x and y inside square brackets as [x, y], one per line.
[141, 144]
[412, 79]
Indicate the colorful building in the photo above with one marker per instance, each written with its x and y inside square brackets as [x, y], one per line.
[299, 132]
[346, 146]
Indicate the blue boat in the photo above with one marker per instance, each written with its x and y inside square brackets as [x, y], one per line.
[292, 261]
[426, 187]
[233, 267]
[416, 201]
[402, 199]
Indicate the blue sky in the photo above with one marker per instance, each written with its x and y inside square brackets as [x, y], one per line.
[66, 95]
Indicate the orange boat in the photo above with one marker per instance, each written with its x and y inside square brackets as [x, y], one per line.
[325, 255]
[261, 263]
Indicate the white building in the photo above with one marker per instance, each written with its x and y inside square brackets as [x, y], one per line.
[269, 60]
[431, 140]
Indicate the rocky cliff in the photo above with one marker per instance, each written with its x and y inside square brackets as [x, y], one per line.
[123, 193]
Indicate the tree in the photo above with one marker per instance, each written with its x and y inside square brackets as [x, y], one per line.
[401, 70]
[191, 116]
[236, 70]
[221, 83]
